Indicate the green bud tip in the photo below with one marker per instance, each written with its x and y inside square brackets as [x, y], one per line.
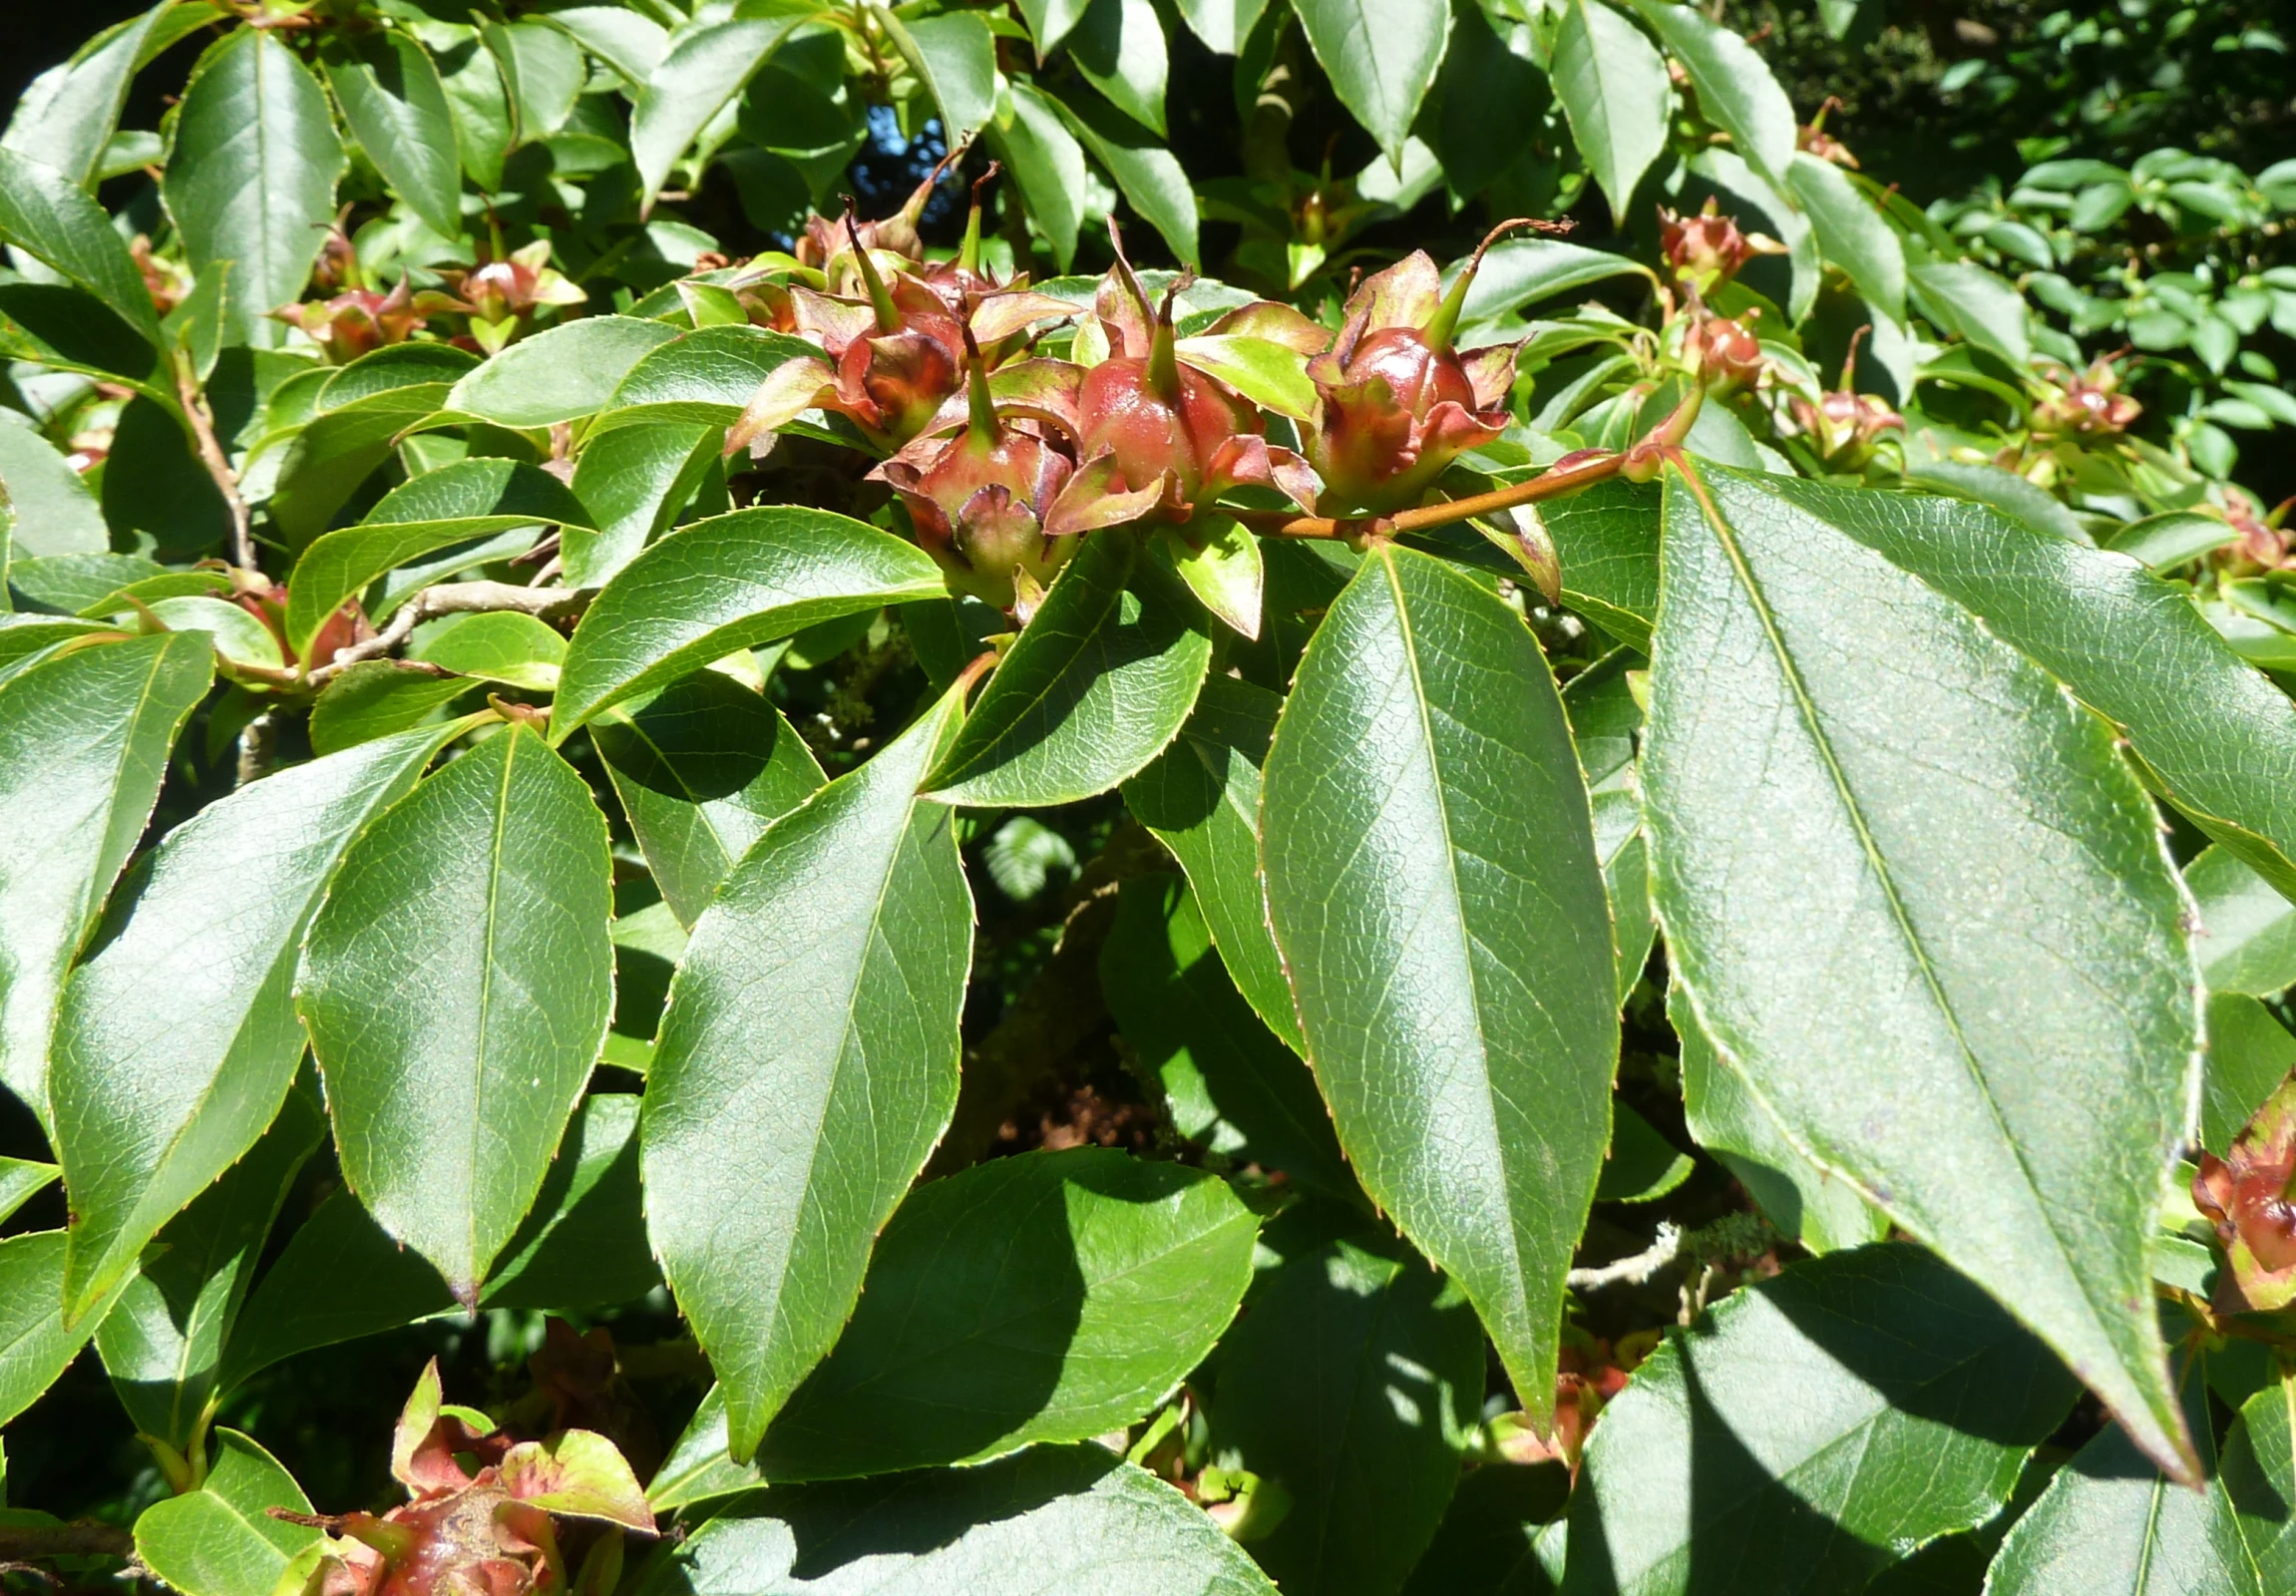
[1445, 325]
[879, 297]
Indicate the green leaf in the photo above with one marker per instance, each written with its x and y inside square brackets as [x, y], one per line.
[1614, 91]
[2249, 1054]
[1641, 1166]
[1852, 234]
[1382, 56]
[1350, 1388]
[724, 584]
[827, 979]
[1606, 724]
[1097, 686]
[84, 742]
[53, 512]
[1522, 271]
[1050, 21]
[2247, 939]
[1971, 301]
[20, 1180]
[582, 1246]
[1148, 174]
[1225, 26]
[437, 510]
[2166, 541]
[1817, 1426]
[153, 1101]
[219, 1540]
[543, 70]
[956, 55]
[1201, 797]
[698, 77]
[1229, 1083]
[627, 41]
[2005, 491]
[480, 104]
[2258, 1470]
[1219, 560]
[67, 115]
[1064, 1295]
[2017, 1080]
[1031, 138]
[1118, 45]
[703, 768]
[44, 214]
[1484, 1546]
[1432, 883]
[330, 460]
[376, 699]
[633, 482]
[251, 180]
[236, 635]
[457, 985]
[560, 374]
[162, 1341]
[1060, 1518]
[1261, 370]
[396, 106]
[1734, 87]
[398, 365]
[498, 645]
[1804, 1200]
[708, 376]
[1607, 541]
[2109, 1525]
[2213, 735]
[36, 1345]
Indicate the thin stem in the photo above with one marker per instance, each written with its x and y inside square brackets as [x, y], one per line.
[218, 466]
[1552, 485]
[455, 598]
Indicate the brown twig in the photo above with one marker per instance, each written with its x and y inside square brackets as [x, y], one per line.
[455, 598]
[84, 1537]
[218, 466]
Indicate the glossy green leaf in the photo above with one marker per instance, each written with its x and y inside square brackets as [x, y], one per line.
[826, 979]
[237, 636]
[1230, 1084]
[457, 985]
[1641, 1166]
[53, 512]
[162, 1341]
[2211, 733]
[633, 480]
[628, 41]
[479, 105]
[703, 768]
[2258, 1470]
[154, 1101]
[1031, 138]
[1201, 797]
[220, 1540]
[1486, 1543]
[703, 69]
[2111, 1525]
[1522, 271]
[1804, 1200]
[46, 215]
[2009, 1097]
[1734, 87]
[67, 115]
[1815, 1429]
[708, 376]
[327, 462]
[36, 1345]
[560, 374]
[2169, 540]
[1118, 45]
[2249, 1054]
[251, 180]
[729, 582]
[20, 1180]
[1852, 234]
[956, 55]
[582, 1246]
[1606, 542]
[1964, 298]
[84, 742]
[1051, 1297]
[453, 505]
[2247, 939]
[1382, 56]
[1614, 89]
[397, 365]
[1432, 883]
[396, 106]
[502, 645]
[2005, 491]
[1097, 685]
[1606, 724]
[1147, 174]
[543, 71]
[1262, 372]
[1225, 26]
[1351, 1387]
[1061, 1519]
[1049, 21]
[377, 698]
[64, 584]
